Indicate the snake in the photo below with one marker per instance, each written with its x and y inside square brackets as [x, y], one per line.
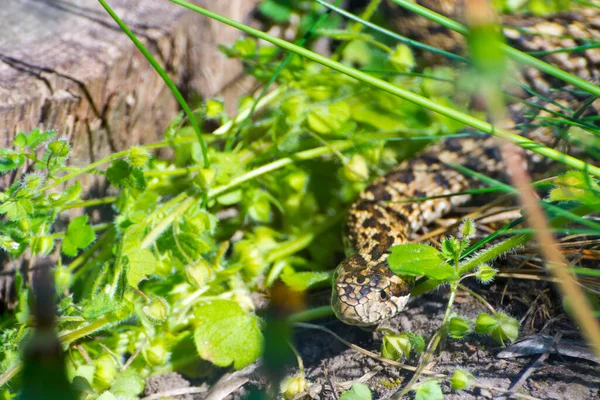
[365, 290]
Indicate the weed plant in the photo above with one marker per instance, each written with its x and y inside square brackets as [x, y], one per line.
[168, 283]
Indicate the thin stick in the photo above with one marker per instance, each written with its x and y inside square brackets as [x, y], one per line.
[175, 392]
[134, 355]
[583, 316]
[538, 363]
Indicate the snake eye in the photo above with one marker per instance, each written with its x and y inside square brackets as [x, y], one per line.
[383, 295]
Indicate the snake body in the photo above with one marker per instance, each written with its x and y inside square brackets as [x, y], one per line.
[366, 292]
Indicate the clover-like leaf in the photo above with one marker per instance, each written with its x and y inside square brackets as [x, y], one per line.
[128, 384]
[10, 160]
[461, 379]
[226, 334]
[17, 210]
[301, 281]
[429, 390]
[576, 185]
[416, 259]
[122, 174]
[359, 391]
[36, 137]
[98, 306]
[79, 236]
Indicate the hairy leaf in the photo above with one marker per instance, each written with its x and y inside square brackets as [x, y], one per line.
[79, 236]
[226, 334]
[415, 259]
[359, 391]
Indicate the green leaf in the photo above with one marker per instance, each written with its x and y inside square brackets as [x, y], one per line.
[259, 205]
[416, 259]
[576, 185]
[507, 329]
[35, 137]
[17, 210]
[417, 342]
[59, 148]
[467, 229]
[359, 391]
[69, 194]
[358, 52]
[486, 274]
[107, 396]
[141, 265]
[461, 379]
[329, 119]
[485, 323]
[98, 306]
[293, 386]
[275, 11]
[214, 108]
[429, 390]
[138, 156]
[459, 327]
[226, 334]
[302, 281]
[396, 347]
[31, 182]
[156, 311]
[79, 236]
[128, 384]
[402, 58]
[122, 174]
[20, 140]
[10, 160]
[451, 248]
[501, 327]
[195, 234]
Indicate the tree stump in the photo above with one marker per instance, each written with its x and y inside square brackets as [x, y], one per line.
[66, 65]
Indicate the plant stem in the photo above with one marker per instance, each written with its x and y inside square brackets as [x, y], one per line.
[163, 74]
[311, 314]
[492, 252]
[10, 373]
[90, 203]
[264, 100]
[405, 94]
[478, 297]
[167, 221]
[300, 156]
[98, 324]
[433, 343]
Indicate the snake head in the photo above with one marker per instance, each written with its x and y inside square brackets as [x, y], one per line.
[368, 294]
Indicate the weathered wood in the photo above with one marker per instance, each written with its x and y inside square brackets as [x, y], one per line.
[65, 65]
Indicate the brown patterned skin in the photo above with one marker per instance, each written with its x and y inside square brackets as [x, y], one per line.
[365, 291]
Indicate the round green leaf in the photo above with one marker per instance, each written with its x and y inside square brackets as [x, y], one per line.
[416, 259]
[359, 391]
[226, 334]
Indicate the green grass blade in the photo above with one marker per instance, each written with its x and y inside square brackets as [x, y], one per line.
[513, 53]
[403, 93]
[400, 38]
[558, 211]
[163, 74]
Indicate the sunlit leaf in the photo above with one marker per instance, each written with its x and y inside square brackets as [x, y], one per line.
[415, 259]
[226, 334]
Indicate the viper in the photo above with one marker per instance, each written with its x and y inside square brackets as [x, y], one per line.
[365, 290]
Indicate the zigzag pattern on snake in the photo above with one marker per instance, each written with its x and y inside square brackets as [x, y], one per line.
[366, 292]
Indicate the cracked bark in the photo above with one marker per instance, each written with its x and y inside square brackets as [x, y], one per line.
[65, 65]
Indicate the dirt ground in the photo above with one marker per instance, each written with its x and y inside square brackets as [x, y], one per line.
[332, 366]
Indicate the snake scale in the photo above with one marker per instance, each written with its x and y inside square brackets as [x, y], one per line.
[366, 292]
